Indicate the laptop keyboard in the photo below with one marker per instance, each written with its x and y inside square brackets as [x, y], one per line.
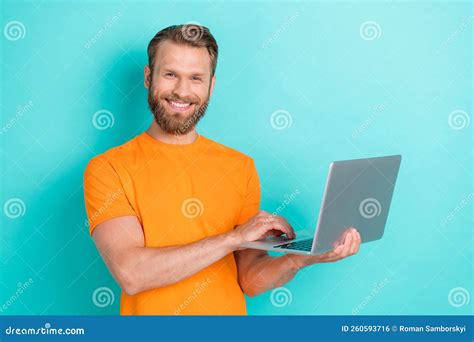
[303, 245]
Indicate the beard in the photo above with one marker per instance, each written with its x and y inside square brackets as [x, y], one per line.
[176, 123]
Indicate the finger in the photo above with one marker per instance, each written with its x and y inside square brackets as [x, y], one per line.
[347, 245]
[264, 219]
[332, 254]
[342, 250]
[276, 221]
[265, 227]
[260, 214]
[357, 244]
[353, 245]
[343, 237]
[273, 232]
[287, 229]
[284, 222]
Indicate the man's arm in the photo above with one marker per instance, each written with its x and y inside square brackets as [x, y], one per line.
[138, 268]
[259, 272]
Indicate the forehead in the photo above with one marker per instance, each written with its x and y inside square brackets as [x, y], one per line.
[182, 58]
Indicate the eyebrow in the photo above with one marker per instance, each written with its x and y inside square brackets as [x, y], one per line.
[174, 71]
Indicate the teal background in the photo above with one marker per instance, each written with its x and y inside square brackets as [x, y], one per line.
[347, 97]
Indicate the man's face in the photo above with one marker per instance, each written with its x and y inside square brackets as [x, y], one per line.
[179, 86]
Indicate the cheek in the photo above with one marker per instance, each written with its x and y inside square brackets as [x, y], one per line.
[161, 87]
[160, 92]
[202, 92]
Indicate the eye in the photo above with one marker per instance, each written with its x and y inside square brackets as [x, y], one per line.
[170, 74]
[196, 78]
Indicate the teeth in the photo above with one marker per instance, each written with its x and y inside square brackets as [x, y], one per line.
[179, 105]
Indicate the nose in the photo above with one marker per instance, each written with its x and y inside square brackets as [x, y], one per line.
[181, 89]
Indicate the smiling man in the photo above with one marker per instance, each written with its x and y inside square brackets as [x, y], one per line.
[169, 209]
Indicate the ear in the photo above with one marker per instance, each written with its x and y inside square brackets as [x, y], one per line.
[147, 76]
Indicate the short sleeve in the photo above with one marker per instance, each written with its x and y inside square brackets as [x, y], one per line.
[251, 204]
[104, 193]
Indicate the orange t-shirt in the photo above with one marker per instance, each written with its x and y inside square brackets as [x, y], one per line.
[180, 194]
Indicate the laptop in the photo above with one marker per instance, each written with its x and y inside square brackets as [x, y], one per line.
[358, 193]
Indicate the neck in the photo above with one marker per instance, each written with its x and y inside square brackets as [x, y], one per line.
[159, 134]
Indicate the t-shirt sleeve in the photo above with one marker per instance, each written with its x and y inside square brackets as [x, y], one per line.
[251, 204]
[104, 193]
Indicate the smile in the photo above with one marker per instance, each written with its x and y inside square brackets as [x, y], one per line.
[179, 106]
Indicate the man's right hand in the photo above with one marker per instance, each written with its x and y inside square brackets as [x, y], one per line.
[262, 225]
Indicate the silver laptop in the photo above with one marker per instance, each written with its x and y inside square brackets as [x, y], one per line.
[358, 193]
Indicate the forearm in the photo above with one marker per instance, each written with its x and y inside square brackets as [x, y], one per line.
[146, 268]
[266, 272]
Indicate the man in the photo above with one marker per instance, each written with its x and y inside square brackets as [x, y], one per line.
[169, 209]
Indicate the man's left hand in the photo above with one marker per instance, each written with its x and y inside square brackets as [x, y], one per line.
[350, 246]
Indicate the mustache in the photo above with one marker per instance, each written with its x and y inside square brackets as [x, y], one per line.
[174, 97]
